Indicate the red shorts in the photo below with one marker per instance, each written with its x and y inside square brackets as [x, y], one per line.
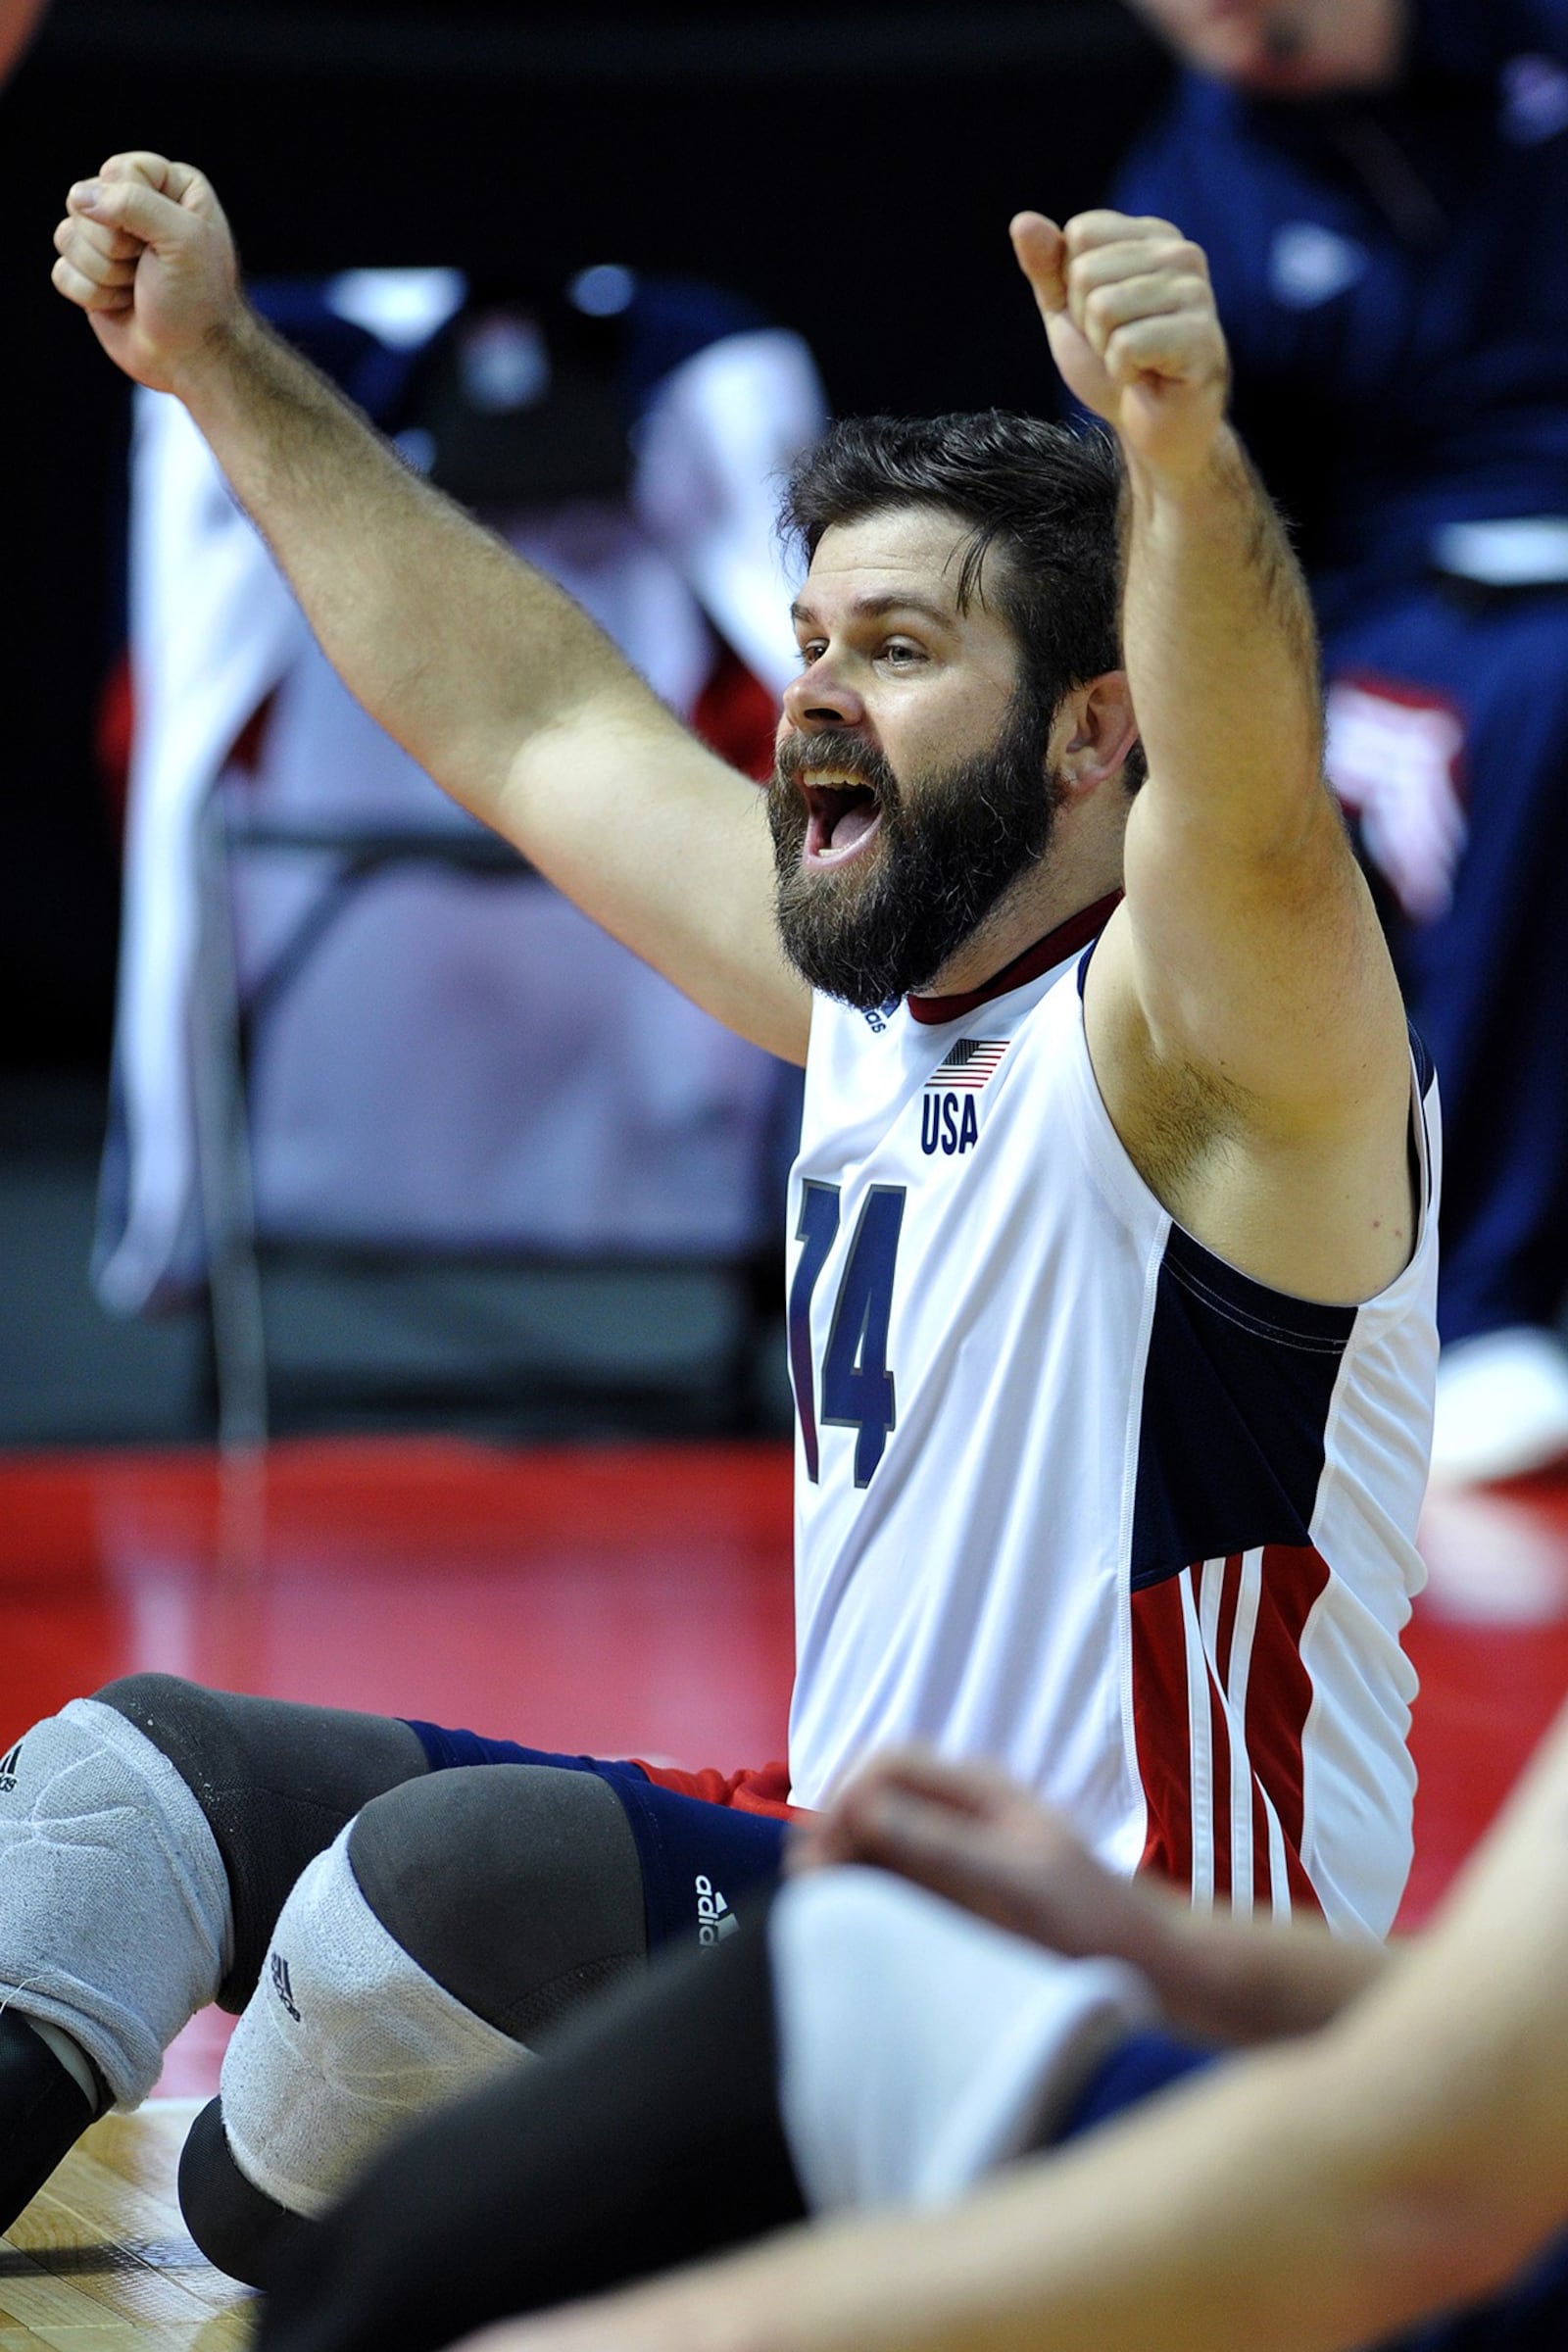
[766, 1790]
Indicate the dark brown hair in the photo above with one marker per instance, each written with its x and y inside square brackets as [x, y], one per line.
[1044, 506]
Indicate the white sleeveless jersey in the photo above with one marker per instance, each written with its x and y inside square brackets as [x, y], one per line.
[1073, 1493]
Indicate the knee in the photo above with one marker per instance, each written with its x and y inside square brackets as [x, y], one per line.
[348, 2037]
[117, 1921]
[219, 1742]
[179, 1717]
[275, 1781]
[517, 1887]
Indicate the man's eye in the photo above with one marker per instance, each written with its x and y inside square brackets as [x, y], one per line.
[811, 651]
[900, 654]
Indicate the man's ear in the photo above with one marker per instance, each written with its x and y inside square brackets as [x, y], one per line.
[1093, 732]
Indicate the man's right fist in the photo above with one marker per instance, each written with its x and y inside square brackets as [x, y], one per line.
[146, 252]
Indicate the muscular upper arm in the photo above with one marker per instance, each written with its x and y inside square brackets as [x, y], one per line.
[1249, 1038]
[1260, 966]
[1243, 1017]
[1252, 947]
[668, 849]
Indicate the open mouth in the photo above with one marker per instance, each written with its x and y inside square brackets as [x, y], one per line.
[843, 812]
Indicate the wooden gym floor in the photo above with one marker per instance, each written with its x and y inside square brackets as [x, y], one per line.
[101, 2260]
[626, 1600]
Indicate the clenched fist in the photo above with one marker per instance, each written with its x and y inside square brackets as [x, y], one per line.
[1133, 328]
[146, 252]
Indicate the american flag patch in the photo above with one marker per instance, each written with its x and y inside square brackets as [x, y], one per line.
[972, 1061]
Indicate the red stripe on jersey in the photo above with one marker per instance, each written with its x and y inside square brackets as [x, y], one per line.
[1160, 1728]
[1279, 1693]
[1279, 1698]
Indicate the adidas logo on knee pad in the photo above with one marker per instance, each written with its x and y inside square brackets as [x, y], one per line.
[278, 1970]
[715, 1918]
[8, 1770]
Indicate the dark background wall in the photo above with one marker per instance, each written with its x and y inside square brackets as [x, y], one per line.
[850, 167]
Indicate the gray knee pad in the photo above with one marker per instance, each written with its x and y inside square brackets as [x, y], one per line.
[113, 1907]
[344, 2041]
[457, 1920]
[275, 1783]
[516, 1887]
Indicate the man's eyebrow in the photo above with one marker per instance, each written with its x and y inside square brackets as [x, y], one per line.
[876, 608]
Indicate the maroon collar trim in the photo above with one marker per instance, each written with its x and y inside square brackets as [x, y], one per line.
[1055, 947]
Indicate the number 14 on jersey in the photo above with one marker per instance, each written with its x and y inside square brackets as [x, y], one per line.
[857, 1388]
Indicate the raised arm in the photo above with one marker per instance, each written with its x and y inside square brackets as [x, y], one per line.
[1244, 1016]
[486, 672]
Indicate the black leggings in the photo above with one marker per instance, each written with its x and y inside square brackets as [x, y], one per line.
[646, 2136]
[649, 2136]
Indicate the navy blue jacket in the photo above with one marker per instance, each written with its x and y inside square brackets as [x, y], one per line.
[1392, 276]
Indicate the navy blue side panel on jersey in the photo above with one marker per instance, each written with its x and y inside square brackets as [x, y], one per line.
[1426, 1072]
[699, 1861]
[1236, 1398]
[1424, 1069]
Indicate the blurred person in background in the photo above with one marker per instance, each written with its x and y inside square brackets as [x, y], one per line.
[1380, 187]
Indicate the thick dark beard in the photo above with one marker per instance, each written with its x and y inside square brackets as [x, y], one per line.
[951, 843]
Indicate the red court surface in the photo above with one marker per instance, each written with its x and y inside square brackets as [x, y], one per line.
[625, 1600]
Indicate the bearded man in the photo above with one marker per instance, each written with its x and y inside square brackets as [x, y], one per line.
[1110, 1305]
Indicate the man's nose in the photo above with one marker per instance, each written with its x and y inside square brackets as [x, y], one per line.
[822, 697]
